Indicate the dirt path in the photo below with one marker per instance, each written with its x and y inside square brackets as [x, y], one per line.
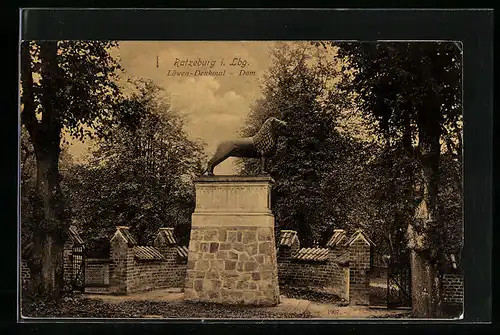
[286, 305]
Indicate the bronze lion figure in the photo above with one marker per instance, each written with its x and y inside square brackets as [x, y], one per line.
[262, 145]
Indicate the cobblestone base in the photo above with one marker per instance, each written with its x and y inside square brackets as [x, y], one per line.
[232, 265]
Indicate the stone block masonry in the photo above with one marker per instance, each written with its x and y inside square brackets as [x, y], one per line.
[328, 274]
[136, 268]
[232, 252]
[453, 288]
[130, 268]
[25, 273]
[359, 261]
[452, 293]
[341, 269]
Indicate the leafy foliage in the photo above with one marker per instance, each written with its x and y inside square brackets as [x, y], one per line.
[147, 163]
[394, 82]
[390, 178]
[406, 88]
[28, 193]
[84, 84]
[412, 92]
[450, 203]
[65, 85]
[310, 164]
[27, 188]
[326, 177]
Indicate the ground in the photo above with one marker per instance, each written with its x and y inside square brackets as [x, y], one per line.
[168, 303]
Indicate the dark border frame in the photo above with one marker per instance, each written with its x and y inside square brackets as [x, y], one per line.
[474, 28]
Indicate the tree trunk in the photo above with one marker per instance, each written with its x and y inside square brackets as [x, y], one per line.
[423, 256]
[51, 225]
[424, 233]
[52, 221]
[425, 294]
[48, 269]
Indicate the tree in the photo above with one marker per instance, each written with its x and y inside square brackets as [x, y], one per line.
[27, 188]
[412, 91]
[450, 203]
[390, 180]
[308, 166]
[148, 163]
[65, 85]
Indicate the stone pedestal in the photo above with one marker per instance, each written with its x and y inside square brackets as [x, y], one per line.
[232, 252]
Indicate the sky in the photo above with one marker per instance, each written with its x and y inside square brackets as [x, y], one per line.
[215, 106]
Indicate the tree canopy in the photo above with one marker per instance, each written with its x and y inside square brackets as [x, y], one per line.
[312, 183]
[65, 86]
[412, 92]
[148, 163]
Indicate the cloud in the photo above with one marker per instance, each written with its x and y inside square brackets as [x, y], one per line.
[212, 115]
[215, 107]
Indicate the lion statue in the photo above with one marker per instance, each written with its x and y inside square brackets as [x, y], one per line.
[262, 145]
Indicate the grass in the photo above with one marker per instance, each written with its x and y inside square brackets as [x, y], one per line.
[78, 307]
[311, 294]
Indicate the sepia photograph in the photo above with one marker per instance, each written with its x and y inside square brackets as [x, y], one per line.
[229, 180]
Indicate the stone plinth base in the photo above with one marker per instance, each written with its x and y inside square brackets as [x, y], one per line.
[232, 252]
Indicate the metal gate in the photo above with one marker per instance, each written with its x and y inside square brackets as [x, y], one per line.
[399, 280]
[78, 268]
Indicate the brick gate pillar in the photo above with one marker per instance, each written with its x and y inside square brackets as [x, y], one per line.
[232, 251]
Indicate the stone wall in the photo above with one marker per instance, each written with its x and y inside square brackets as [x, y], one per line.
[73, 246]
[25, 273]
[328, 275]
[344, 271]
[124, 271]
[453, 288]
[175, 265]
[150, 275]
[232, 265]
[452, 293]
[132, 272]
[359, 263]
[121, 257]
[68, 264]
[232, 253]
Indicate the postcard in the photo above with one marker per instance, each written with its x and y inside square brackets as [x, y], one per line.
[241, 180]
